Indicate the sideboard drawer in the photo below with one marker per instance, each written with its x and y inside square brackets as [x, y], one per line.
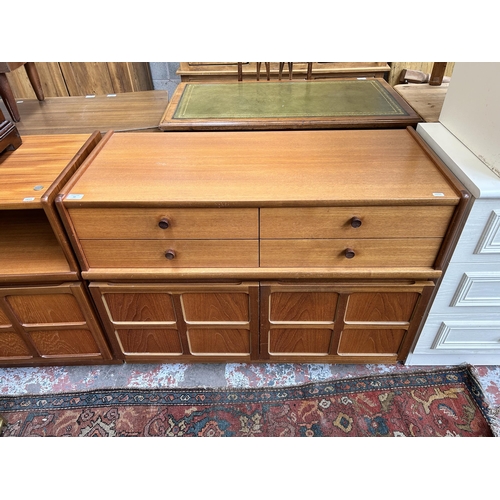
[171, 254]
[407, 252]
[356, 222]
[166, 223]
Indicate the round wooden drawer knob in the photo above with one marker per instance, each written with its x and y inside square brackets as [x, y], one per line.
[356, 222]
[349, 253]
[164, 224]
[170, 254]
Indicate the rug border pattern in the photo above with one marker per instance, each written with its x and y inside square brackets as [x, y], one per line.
[230, 396]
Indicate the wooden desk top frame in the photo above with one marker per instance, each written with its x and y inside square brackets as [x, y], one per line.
[373, 102]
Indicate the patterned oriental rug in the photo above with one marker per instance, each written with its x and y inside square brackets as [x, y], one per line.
[447, 402]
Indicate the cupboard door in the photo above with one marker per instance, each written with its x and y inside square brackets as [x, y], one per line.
[376, 322]
[48, 324]
[343, 322]
[152, 321]
[297, 320]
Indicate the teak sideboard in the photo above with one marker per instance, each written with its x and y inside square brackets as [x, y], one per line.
[296, 246]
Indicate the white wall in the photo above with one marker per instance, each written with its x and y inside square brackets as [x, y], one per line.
[471, 110]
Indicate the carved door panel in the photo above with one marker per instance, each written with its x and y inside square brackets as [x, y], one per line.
[183, 322]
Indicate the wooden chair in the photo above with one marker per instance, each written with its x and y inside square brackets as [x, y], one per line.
[280, 73]
[6, 92]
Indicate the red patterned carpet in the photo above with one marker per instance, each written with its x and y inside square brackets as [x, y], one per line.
[446, 402]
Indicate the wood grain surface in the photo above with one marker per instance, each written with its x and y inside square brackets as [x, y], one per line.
[278, 168]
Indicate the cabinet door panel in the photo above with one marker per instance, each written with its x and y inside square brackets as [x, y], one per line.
[64, 343]
[50, 308]
[13, 346]
[4, 320]
[303, 307]
[210, 307]
[132, 307]
[370, 342]
[150, 341]
[381, 306]
[219, 341]
[298, 342]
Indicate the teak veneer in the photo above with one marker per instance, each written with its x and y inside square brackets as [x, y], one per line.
[296, 246]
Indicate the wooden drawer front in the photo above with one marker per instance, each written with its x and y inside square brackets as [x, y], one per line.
[187, 253]
[420, 252]
[172, 223]
[370, 342]
[355, 222]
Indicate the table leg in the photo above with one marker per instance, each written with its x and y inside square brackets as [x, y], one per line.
[34, 79]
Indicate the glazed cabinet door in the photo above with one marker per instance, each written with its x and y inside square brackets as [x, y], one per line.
[341, 323]
[45, 325]
[180, 322]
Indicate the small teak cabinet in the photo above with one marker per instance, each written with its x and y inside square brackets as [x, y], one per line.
[47, 316]
[296, 246]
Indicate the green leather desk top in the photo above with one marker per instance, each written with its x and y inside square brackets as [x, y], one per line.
[287, 99]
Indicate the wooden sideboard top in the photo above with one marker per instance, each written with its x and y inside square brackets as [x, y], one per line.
[28, 172]
[278, 168]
